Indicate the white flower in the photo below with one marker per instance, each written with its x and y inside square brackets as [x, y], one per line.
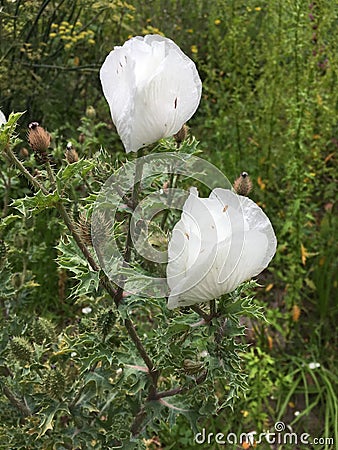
[152, 89]
[2, 118]
[313, 365]
[219, 243]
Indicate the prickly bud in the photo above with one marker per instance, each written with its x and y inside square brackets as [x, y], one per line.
[243, 184]
[24, 153]
[71, 154]
[43, 331]
[181, 135]
[39, 140]
[106, 321]
[83, 227]
[55, 383]
[21, 349]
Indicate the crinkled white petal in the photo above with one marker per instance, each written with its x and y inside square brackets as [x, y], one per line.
[152, 89]
[2, 118]
[232, 241]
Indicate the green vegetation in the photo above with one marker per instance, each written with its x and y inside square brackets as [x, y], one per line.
[269, 107]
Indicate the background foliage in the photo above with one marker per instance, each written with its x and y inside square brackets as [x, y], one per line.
[269, 107]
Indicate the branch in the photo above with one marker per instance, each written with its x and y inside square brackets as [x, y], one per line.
[18, 404]
[181, 389]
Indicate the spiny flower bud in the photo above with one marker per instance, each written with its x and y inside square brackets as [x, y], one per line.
[24, 153]
[55, 383]
[21, 349]
[181, 135]
[101, 228]
[243, 184]
[71, 154]
[39, 140]
[106, 321]
[43, 331]
[83, 227]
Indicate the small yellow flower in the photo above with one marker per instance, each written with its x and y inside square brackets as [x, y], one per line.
[261, 183]
[54, 26]
[190, 30]
[68, 46]
[194, 49]
[258, 8]
[217, 22]
[91, 41]
[52, 35]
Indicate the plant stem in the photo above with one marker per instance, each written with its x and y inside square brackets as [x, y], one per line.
[181, 389]
[18, 404]
[14, 160]
[200, 312]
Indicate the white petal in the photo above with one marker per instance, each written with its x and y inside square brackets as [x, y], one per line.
[152, 89]
[243, 246]
[2, 118]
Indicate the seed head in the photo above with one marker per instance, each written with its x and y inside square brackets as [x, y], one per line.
[243, 184]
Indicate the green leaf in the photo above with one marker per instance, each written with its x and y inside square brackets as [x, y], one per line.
[8, 220]
[81, 167]
[8, 128]
[48, 417]
[36, 203]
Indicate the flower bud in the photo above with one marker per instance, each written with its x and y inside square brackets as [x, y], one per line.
[39, 140]
[43, 331]
[21, 349]
[24, 153]
[83, 227]
[55, 383]
[90, 112]
[106, 321]
[243, 184]
[71, 154]
[181, 135]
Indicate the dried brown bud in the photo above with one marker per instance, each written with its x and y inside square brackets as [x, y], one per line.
[83, 227]
[181, 135]
[82, 138]
[71, 154]
[243, 184]
[24, 153]
[39, 140]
